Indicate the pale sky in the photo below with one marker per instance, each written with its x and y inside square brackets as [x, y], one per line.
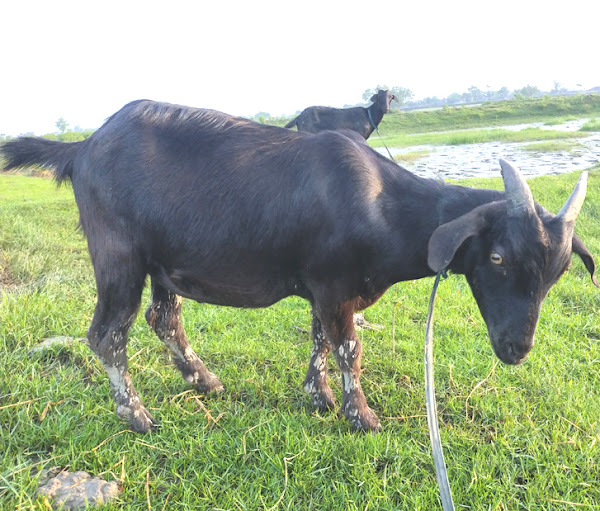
[83, 60]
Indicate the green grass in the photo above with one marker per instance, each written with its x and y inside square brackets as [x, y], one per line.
[552, 121]
[411, 156]
[500, 113]
[524, 437]
[473, 136]
[552, 146]
[591, 125]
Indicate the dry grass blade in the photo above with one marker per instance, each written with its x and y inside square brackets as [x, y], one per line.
[211, 420]
[148, 488]
[110, 438]
[248, 431]
[476, 387]
[20, 403]
[285, 484]
[47, 408]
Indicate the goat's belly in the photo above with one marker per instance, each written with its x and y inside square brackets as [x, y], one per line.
[243, 291]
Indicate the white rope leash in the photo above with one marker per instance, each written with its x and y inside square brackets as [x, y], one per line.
[432, 420]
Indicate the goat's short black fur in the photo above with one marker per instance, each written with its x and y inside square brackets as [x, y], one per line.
[227, 211]
[359, 119]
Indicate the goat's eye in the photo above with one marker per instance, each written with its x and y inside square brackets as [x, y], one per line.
[496, 258]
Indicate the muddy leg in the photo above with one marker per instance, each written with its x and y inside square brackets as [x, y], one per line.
[118, 303]
[315, 382]
[164, 316]
[347, 349]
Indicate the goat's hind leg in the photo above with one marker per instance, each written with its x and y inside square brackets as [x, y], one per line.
[164, 316]
[118, 303]
[315, 382]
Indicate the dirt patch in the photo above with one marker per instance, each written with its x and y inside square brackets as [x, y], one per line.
[7, 282]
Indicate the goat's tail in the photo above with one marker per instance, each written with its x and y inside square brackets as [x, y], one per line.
[292, 123]
[27, 151]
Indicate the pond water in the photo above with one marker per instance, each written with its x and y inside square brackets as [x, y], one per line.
[481, 160]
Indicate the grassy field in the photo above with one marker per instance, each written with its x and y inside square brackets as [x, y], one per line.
[522, 437]
[549, 109]
[472, 136]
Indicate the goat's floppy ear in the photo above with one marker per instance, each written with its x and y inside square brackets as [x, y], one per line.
[373, 98]
[588, 260]
[448, 237]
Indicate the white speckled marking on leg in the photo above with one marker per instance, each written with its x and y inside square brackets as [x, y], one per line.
[164, 316]
[349, 382]
[315, 384]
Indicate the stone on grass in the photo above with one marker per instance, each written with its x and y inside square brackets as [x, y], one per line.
[51, 342]
[75, 490]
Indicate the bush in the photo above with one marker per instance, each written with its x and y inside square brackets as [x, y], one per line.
[592, 125]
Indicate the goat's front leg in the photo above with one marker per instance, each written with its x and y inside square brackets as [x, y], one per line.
[315, 382]
[347, 349]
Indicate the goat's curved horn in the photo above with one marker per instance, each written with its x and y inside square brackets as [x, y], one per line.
[572, 207]
[518, 194]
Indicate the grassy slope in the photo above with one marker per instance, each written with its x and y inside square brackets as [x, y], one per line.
[515, 437]
[547, 108]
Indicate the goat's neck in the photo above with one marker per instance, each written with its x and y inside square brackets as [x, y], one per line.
[376, 114]
[456, 201]
[427, 204]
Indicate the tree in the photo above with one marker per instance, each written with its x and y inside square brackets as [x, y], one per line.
[529, 91]
[368, 94]
[454, 98]
[467, 97]
[477, 95]
[62, 125]
[501, 94]
[402, 94]
[558, 88]
[262, 117]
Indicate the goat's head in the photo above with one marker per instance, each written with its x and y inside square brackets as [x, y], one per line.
[512, 252]
[383, 98]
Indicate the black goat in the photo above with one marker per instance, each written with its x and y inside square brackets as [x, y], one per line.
[227, 211]
[360, 119]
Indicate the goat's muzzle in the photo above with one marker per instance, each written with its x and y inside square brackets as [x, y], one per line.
[512, 352]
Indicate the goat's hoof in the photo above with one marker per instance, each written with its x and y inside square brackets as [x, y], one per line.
[324, 401]
[363, 419]
[210, 385]
[322, 395]
[140, 419]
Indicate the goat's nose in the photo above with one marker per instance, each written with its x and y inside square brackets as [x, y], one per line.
[518, 352]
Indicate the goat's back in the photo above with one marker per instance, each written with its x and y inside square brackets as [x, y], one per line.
[198, 185]
[320, 118]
